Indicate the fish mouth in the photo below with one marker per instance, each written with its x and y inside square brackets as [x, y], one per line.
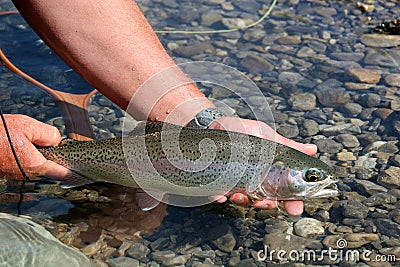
[323, 189]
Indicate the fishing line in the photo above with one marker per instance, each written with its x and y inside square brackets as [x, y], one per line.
[269, 10]
[26, 178]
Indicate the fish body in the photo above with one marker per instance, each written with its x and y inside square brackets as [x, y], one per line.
[174, 160]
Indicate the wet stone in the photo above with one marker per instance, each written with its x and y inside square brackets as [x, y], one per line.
[177, 261]
[288, 130]
[123, 262]
[353, 240]
[358, 86]
[365, 75]
[194, 49]
[309, 128]
[352, 108]
[383, 113]
[308, 227]
[348, 140]
[346, 128]
[370, 187]
[369, 100]
[379, 199]
[256, 64]
[328, 146]
[345, 156]
[390, 177]
[333, 97]
[382, 146]
[393, 80]
[289, 40]
[304, 101]
[162, 255]
[356, 210]
[221, 236]
[138, 251]
[273, 225]
[287, 77]
[388, 227]
[287, 242]
[208, 19]
[380, 40]
[395, 104]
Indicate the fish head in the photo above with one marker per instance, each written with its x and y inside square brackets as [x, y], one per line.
[301, 177]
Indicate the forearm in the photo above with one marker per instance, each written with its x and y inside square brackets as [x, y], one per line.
[112, 46]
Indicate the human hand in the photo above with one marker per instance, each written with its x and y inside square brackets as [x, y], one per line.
[25, 132]
[260, 129]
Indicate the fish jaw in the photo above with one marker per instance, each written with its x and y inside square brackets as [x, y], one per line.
[283, 183]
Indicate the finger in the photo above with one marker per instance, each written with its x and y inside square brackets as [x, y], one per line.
[294, 207]
[42, 134]
[240, 199]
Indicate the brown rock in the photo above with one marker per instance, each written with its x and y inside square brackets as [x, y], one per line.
[365, 75]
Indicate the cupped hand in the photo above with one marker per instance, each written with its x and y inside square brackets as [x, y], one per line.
[261, 129]
[27, 132]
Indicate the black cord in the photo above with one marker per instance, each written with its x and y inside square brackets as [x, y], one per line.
[26, 178]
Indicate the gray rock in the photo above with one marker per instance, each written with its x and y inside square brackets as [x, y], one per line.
[194, 49]
[176, 261]
[289, 40]
[305, 101]
[382, 146]
[348, 241]
[356, 210]
[380, 40]
[247, 263]
[393, 79]
[276, 226]
[346, 128]
[162, 255]
[390, 177]
[123, 262]
[369, 100]
[221, 236]
[309, 128]
[367, 138]
[328, 146]
[288, 130]
[309, 227]
[333, 97]
[379, 199]
[236, 23]
[287, 242]
[395, 104]
[388, 227]
[138, 251]
[370, 187]
[348, 140]
[159, 244]
[287, 77]
[256, 64]
[343, 56]
[254, 34]
[208, 19]
[352, 108]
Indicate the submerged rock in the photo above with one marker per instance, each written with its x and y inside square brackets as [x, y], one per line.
[26, 243]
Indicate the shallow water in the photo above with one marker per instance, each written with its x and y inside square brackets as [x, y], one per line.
[305, 57]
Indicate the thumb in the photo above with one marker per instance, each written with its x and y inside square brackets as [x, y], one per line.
[40, 133]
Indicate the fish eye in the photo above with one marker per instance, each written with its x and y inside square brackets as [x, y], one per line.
[312, 175]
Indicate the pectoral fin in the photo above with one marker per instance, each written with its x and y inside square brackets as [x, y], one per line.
[147, 202]
[75, 179]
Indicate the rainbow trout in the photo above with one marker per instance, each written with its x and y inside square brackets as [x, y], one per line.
[166, 160]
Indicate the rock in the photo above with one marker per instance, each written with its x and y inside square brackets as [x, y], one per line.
[333, 97]
[353, 196]
[390, 177]
[354, 209]
[365, 75]
[162, 255]
[288, 130]
[138, 251]
[348, 140]
[393, 80]
[382, 146]
[194, 49]
[369, 100]
[368, 138]
[246, 263]
[328, 146]
[177, 261]
[275, 226]
[395, 104]
[379, 199]
[346, 128]
[350, 240]
[383, 113]
[256, 64]
[380, 40]
[236, 23]
[309, 128]
[287, 77]
[254, 34]
[309, 227]
[287, 242]
[304, 101]
[208, 19]
[388, 227]
[221, 236]
[123, 262]
[345, 156]
[370, 187]
[352, 108]
[358, 86]
[289, 40]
